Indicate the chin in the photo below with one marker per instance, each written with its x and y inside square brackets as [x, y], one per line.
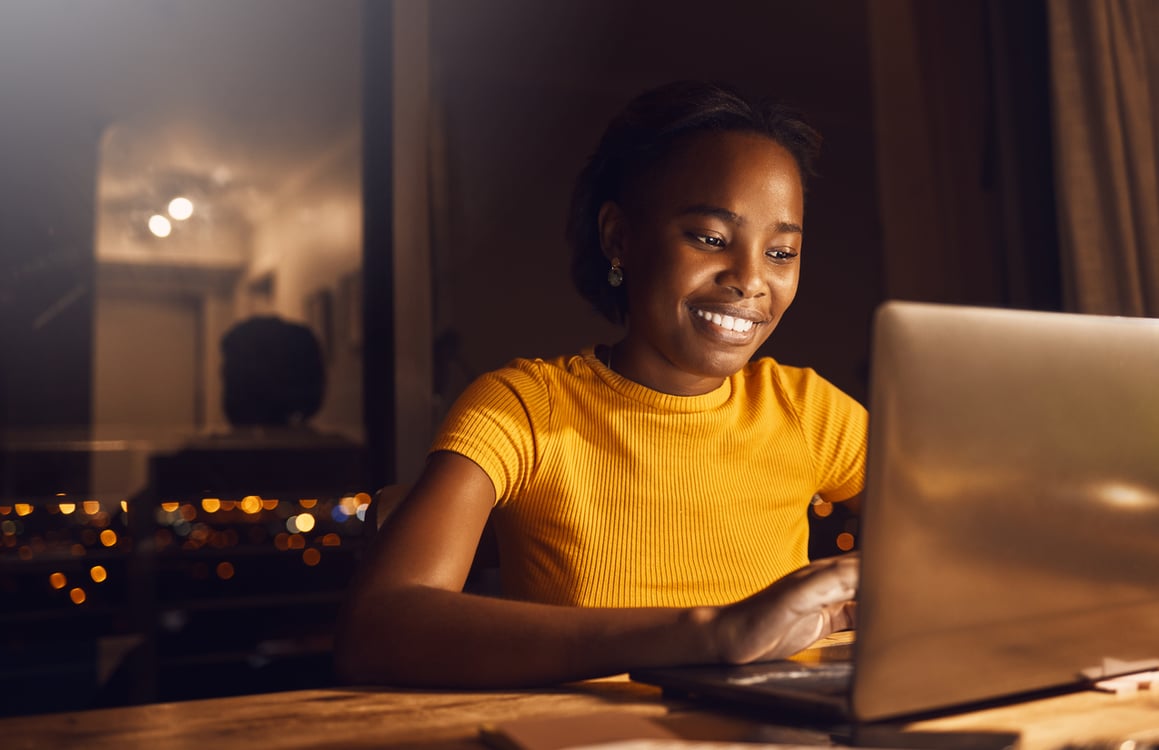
[723, 366]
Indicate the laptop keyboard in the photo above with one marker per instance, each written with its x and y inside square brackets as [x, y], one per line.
[826, 678]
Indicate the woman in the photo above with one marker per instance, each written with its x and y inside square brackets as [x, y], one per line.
[646, 495]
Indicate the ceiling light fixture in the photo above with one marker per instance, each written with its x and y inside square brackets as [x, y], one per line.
[180, 208]
[159, 225]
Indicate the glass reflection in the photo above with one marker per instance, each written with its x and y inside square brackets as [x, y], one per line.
[172, 168]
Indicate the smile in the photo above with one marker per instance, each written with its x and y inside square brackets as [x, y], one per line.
[728, 322]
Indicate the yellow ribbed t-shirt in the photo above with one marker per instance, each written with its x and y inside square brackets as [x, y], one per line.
[611, 494]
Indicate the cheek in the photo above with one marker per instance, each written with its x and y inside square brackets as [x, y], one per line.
[785, 286]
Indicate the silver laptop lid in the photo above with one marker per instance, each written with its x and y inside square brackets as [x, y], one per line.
[1010, 536]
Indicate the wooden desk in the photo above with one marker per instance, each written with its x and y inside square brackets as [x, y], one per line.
[354, 718]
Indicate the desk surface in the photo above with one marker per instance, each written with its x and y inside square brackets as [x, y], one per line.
[355, 718]
[339, 719]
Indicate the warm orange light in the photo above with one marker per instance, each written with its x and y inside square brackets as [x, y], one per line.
[170, 507]
[57, 581]
[98, 573]
[307, 503]
[311, 557]
[124, 506]
[77, 595]
[68, 508]
[188, 512]
[270, 504]
[251, 504]
[92, 507]
[823, 509]
[23, 509]
[210, 504]
[5, 510]
[225, 570]
[331, 540]
[304, 522]
[362, 498]
[296, 542]
[845, 541]
[108, 537]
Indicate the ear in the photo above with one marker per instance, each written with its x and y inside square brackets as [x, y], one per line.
[613, 225]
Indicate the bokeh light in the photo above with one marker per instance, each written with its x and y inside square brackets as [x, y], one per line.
[180, 208]
[160, 226]
[305, 522]
[98, 573]
[58, 580]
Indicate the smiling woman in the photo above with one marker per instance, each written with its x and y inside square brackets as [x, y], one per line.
[710, 260]
[649, 497]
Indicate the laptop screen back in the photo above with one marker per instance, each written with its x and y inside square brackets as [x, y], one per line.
[1010, 535]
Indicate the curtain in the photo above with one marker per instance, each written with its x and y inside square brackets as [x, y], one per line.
[962, 121]
[1104, 86]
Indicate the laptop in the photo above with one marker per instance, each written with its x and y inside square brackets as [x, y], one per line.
[1010, 530]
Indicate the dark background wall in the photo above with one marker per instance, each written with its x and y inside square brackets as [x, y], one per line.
[523, 91]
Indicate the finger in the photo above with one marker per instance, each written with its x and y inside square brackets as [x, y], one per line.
[842, 616]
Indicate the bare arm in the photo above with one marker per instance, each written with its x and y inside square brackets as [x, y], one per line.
[408, 622]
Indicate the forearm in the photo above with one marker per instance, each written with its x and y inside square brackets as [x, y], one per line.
[423, 636]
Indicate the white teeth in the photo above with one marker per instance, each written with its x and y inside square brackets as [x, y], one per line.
[726, 321]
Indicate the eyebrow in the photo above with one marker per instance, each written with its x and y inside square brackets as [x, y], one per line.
[706, 209]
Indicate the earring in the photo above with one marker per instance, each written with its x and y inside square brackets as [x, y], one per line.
[615, 273]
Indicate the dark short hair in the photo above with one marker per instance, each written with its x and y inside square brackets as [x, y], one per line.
[272, 371]
[639, 139]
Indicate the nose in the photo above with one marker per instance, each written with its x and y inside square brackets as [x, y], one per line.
[744, 273]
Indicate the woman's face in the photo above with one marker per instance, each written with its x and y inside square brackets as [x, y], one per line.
[711, 258]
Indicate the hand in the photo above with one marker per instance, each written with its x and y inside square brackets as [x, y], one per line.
[808, 604]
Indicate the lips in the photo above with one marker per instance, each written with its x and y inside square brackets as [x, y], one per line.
[739, 320]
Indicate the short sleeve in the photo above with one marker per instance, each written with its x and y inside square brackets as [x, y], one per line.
[835, 425]
[497, 423]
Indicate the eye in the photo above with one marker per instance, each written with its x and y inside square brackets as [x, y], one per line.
[781, 254]
[708, 239]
